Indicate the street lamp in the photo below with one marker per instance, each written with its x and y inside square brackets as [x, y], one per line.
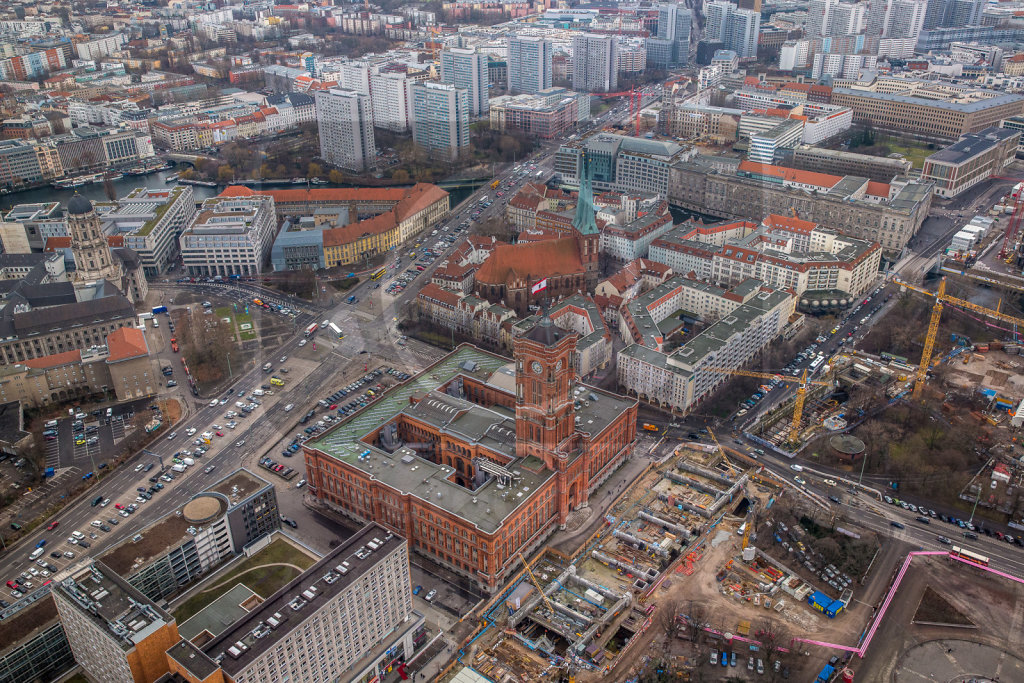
[155, 455]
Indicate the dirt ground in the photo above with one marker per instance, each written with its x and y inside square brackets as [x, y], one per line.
[994, 604]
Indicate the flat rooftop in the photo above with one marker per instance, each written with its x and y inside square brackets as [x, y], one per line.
[407, 472]
[157, 539]
[112, 603]
[27, 622]
[220, 614]
[239, 485]
[281, 606]
[171, 531]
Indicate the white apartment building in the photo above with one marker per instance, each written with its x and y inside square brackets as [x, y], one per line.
[748, 318]
[390, 99]
[230, 236]
[595, 63]
[345, 121]
[467, 69]
[151, 222]
[100, 46]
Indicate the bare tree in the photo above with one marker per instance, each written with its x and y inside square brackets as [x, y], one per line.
[774, 638]
[668, 610]
[697, 617]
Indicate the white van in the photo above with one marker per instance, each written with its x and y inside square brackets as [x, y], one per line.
[35, 554]
[52, 423]
[324, 324]
[288, 408]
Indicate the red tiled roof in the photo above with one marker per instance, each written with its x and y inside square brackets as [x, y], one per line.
[531, 261]
[811, 177]
[432, 291]
[805, 87]
[54, 360]
[877, 189]
[762, 169]
[55, 243]
[126, 343]
[789, 222]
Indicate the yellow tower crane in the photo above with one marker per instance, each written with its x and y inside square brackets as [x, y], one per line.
[801, 391]
[942, 298]
[536, 583]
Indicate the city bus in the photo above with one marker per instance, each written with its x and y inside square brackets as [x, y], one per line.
[965, 554]
[378, 274]
[311, 329]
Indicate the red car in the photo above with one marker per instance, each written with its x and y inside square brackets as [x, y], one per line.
[12, 585]
[220, 433]
[53, 525]
[119, 506]
[334, 406]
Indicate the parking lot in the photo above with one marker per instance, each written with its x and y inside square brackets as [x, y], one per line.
[96, 439]
[420, 257]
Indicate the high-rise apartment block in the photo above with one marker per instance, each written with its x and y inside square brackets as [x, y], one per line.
[736, 28]
[391, 101]
[671, 46]
[467, 69]
[595, 63]
[440, 123]
[529, 65]
[345, 120]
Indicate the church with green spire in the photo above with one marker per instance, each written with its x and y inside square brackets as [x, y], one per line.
[584, 223]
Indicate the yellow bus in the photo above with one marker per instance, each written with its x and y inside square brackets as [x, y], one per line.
[379, 274]
[277, 381]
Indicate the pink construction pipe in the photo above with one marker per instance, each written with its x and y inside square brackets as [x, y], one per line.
[888, 599]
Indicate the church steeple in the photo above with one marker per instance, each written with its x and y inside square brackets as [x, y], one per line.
[584, 221]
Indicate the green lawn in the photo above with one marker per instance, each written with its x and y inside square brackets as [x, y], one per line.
[915, 152]
[241, 321]
[264, 581]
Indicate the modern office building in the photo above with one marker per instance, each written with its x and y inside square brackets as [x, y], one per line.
[546, 114]
[150, 222]
[34, 647]
[230, 236]
[467, 69]
[214, 526]
[737, 29]
[345, 122]
[480, 457]
[595, 63]
[440, 123]
[962, 112]
[621, 163]
[970, 160]
[529, 64]
[116, 633]
[349, 618]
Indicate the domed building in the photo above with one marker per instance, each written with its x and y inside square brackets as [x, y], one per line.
[96, 260]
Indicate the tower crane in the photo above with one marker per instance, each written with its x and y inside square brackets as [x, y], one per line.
[941, 298]
[801, 391]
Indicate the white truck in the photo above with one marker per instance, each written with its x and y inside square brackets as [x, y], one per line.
[179, 467]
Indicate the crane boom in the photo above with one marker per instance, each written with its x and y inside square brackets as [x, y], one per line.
[536, 584]
[942, 298]
[801, 392]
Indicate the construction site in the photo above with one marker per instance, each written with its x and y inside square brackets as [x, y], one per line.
[584, 612]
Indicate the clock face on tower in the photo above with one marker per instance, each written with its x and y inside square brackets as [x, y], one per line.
[558, 365]
[535, 366]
